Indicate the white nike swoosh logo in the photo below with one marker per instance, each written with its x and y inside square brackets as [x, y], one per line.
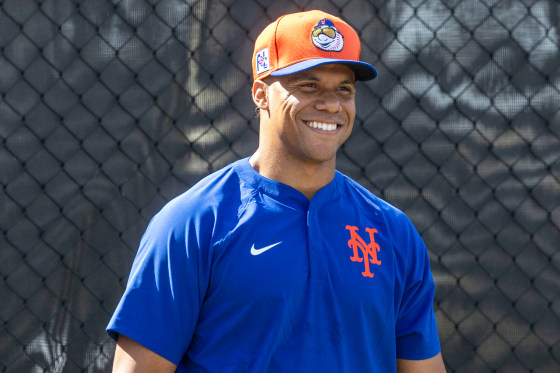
[260, 251]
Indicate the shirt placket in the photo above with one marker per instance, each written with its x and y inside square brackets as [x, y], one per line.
[316, 241]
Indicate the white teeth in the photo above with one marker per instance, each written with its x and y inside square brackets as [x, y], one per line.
[322, 126]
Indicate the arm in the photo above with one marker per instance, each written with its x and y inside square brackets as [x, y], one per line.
[132, 357]
[432, 365]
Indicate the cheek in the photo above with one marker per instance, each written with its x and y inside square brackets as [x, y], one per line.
[349, 131]
[350, 108]
[290, 105]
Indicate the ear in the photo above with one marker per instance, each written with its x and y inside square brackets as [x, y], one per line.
[260, 94]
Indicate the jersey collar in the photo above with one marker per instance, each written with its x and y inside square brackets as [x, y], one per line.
[281, 192]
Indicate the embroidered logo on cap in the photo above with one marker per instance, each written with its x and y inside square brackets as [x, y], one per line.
[263, 62]
[327, 37]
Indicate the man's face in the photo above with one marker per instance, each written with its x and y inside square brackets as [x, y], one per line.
[311, 113]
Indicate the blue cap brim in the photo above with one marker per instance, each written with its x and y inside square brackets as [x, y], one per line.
[363, 70]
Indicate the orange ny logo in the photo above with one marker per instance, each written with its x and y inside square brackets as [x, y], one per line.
[369, 251]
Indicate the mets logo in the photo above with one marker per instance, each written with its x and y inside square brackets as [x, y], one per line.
[369, 251]
[327, 37]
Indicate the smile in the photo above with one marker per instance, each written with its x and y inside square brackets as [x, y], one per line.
[322, 126]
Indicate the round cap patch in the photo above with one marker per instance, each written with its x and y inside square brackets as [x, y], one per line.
[326, 36]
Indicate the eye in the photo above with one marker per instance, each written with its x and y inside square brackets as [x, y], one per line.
[308, 86]
[347, 89]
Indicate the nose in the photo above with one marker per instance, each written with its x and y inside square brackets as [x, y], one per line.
[328, 102]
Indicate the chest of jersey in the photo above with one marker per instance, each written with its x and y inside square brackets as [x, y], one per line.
[319, 277]
[278, 249]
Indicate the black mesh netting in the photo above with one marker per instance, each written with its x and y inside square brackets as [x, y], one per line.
[110, 108]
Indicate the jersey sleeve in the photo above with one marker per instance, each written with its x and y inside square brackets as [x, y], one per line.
[166, 286]
[416, 329]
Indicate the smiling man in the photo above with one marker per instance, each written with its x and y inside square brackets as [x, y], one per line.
[279, 263]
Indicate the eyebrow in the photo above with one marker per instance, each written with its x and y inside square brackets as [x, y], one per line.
[302, 76]
[349, 81]
[311, 77]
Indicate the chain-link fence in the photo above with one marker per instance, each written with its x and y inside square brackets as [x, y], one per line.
[110, 108]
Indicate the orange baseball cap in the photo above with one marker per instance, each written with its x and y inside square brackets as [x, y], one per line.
[300, 41]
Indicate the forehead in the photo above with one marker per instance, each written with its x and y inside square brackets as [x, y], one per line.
[335, 72]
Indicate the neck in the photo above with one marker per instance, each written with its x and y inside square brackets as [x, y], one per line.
[306, 177]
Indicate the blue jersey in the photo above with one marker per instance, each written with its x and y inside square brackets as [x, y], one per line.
[245, 274]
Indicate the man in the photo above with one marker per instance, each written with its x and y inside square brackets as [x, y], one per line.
[278, 263]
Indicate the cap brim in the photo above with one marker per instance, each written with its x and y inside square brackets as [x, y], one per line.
[363, 70]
